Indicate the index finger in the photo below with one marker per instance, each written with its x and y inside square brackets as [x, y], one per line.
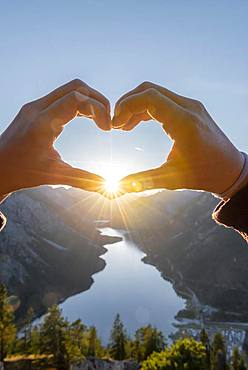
[74, 85]
[179, 99]
[158, 106]
[69, 106]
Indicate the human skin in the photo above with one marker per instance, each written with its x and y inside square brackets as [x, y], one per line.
[27, 154]
[201, 158]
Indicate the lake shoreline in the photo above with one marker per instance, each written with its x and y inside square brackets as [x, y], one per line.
[195, 309]
[82, 287]
[120, 288]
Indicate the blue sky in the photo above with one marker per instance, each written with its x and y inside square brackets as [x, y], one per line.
[197, 48]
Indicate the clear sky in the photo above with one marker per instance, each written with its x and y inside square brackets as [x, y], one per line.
[196, 48]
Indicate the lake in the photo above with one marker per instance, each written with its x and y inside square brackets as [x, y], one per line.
[126, 286]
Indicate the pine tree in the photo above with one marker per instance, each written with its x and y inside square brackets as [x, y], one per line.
[7, 328]
[154, 341]
[35, 340]
[53, 338]
[245, 344]
[74, 341]
[65, 341]
[218, 355]
[92, 342]
[138, 346]
[242, 365]
[147, 340]
[118, 340]
[206, 342]
[237, 361]
[27, 346]
[95, 348]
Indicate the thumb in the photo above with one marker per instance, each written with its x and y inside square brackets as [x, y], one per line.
[64, 174]
[158, 178]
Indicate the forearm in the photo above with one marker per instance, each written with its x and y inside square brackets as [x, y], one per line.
[234, 211]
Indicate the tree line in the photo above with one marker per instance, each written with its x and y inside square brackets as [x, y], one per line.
[64, 343]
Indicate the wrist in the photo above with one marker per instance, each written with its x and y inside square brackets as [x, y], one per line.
[240, 182]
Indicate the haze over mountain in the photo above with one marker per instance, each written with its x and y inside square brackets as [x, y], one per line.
[50, 247]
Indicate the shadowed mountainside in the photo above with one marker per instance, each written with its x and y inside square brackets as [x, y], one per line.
[46, 254]
[50, 247]
[189, 248]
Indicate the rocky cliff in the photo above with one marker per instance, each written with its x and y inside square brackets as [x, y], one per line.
[204, 259]
[94, 363]
[50, 247]
[47, 251]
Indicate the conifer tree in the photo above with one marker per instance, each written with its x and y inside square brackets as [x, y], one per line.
[242, 365]
[147, 340]
[53, 338]
[7, 328]
[74, 340]
[27, 346]
[35, 340]
[245, 344]
[95, 348]
[118, 340]
[218, 355]
[206, 342]
[237, 361]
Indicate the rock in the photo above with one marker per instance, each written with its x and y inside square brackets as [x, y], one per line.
[47, 252]
[198, 255]
[98, 364]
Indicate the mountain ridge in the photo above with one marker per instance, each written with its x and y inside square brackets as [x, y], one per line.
[43, 257]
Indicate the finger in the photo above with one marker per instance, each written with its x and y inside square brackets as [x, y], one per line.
[69, 106]
[179, 99]
[64, 174]
[156, 105]
[135, 120]
[165, 177]
[74, 85]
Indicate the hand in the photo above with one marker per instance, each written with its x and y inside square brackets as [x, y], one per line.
[27, 155]
[202, 157]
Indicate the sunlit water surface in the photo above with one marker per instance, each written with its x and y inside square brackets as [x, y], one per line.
[126, 286]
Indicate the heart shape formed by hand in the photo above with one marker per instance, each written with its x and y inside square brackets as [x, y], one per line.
[28, 156]
[201, 158]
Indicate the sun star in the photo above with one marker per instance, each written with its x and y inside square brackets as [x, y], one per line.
[111, 185]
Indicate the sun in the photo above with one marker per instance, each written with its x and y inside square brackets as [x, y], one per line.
[112, 174]
[111, 184]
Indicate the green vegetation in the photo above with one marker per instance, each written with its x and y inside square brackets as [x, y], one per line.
[146, 341]
[186, 353]
[7, 328]
[58, 343]
[118, 340]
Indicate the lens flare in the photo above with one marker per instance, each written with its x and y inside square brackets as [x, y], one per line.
[111, 185]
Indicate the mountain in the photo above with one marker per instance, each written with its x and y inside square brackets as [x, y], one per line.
[47, 252]
[206, 261]
[50, 247]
